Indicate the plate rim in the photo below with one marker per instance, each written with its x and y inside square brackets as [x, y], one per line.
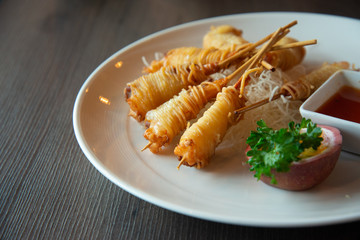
[156, 200]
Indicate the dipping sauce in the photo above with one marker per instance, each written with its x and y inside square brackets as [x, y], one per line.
[344, 104]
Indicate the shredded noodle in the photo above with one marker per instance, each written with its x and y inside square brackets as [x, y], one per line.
[277, 114]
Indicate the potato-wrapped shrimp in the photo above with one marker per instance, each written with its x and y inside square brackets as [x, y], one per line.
[187, 55]
[197, 144]
[224, 37]
[307, 84]
[170, 118]
[285, 58]
[151, 90]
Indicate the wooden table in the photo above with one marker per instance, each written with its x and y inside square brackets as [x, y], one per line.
[48, 189]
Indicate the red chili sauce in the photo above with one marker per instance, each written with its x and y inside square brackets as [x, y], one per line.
[344, 104]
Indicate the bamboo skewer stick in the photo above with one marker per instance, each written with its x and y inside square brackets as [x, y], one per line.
[286, 46]
[250, 65]
[280, 33]
[255, 58]
[243, 52]
[251, 47]
[289, 25]
[265, 48]
[267, 65]
[295, 44]
[258, 104]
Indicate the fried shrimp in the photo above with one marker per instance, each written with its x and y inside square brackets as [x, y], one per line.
[197, 144]
[223, 37]
[186, 55]
[285, 58]
[307, 84]
[173, 93]
[151, 90]
[170, 118]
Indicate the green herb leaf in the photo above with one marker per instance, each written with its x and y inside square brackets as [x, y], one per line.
[277, 149]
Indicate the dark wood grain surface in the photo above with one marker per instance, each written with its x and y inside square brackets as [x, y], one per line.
[48, 189]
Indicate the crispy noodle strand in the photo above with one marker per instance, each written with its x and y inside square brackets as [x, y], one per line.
[197, 144]
[151, 90]
[172, 117]
[276, 113]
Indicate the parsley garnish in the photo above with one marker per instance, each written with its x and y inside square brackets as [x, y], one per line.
[277, 149]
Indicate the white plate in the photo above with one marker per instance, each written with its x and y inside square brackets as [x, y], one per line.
[225, 191]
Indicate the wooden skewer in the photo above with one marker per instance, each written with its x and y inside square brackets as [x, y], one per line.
[273, 38]
[290, 45]
[267, 65]
[290, 24]
[263, 62]
[147, 146]
[295, 44]
[280, 33]
[181, 163]
[259, 103]
[242, 53]
[237, 55]
[251, 47]
[255, 58]
[246, 50]
[278, 95]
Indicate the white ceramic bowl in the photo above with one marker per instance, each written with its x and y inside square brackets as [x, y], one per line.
[349, 130]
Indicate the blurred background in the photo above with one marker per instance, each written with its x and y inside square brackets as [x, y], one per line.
[48, 189]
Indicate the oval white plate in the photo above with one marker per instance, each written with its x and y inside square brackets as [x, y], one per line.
[225, 191]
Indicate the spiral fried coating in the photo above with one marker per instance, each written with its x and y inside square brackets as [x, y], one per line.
[197, 144]
[187, 55]
[151, 90]
[303, 87]
[170, 118]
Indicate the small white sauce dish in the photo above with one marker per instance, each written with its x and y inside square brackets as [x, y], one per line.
[350, 131]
